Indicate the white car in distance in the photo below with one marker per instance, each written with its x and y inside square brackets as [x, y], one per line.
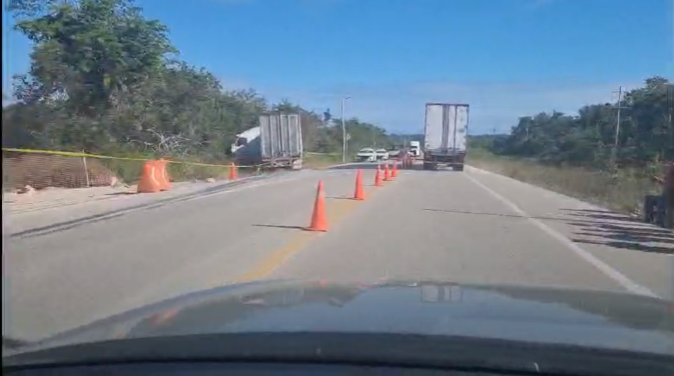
[366, 155]
[382, 154]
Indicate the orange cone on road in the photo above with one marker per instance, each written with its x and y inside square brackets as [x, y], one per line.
[162, 174]
[319, 221]
[394, 172]
[377, 178]
[387, 173]
[148, 179]
[232, 172]
[360, 193]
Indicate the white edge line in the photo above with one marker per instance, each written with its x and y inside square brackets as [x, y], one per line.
[623, 280]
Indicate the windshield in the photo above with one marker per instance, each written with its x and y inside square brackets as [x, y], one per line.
[529, 184]
[241, 141]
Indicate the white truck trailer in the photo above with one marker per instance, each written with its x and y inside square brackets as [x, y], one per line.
[445, 130]
[276, 142]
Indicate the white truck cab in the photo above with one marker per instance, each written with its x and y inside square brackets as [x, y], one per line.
[415, 148]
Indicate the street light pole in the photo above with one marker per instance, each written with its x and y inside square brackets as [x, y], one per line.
[344, 148]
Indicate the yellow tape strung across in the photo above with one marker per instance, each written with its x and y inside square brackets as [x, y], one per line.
[76, 154]
[80, 154]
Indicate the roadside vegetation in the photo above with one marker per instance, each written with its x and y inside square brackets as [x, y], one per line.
[104, 79]
[580, 155]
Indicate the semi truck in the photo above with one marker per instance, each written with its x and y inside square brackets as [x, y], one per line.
[445, 129]
[275, 143]
[415, 149]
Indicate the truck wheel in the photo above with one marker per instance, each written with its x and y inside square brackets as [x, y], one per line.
[457, 167]
[429, 166]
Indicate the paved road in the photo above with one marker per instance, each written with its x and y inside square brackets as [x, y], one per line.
[461, 227]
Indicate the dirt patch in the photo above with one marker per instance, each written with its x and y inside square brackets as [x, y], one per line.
[42, 171]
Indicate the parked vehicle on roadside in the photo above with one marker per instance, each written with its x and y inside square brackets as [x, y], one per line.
[366, 155]
[393, 152]
[275, 142]
[382, 154]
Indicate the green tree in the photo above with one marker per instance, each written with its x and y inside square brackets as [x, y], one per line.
[105, 79]
[589, 139]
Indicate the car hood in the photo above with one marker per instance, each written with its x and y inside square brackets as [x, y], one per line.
[556, 316]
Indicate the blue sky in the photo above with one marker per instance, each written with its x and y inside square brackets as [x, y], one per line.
[507, 58]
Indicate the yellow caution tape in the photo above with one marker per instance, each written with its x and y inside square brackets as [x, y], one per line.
[81, 154]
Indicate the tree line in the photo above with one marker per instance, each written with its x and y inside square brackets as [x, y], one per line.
[637, 132]
[104, 79]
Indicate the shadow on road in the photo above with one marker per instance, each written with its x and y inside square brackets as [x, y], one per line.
[495, 214]
[356, 166]
[600, 228]
[601, 215]
[373, 166]
[667, 250]
[620, 231]
[121, 193]
[282, 227]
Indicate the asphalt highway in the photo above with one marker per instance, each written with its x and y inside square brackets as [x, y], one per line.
[470, 226]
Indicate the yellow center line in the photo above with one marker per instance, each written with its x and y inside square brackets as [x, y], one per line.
[336, 209]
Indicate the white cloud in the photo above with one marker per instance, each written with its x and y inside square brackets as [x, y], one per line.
[400, 107]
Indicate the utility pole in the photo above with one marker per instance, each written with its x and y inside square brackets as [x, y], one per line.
[670, 109]
[617, 125]
[344, 148]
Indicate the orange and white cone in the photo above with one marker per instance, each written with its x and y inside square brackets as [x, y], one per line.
[360, 192]
[319, 221]
[377, 178]
[232, 172]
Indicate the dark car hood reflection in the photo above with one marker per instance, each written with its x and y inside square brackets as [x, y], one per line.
[585, 318]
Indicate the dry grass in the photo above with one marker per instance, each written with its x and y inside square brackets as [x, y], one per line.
[43, 170]
[320, 161]
[622, 191]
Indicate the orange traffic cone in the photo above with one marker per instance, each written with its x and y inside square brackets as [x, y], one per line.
[148, 179]
[360, 193]
[232, 172]
[162, 174]
[394, 172]
[318, 220]
[387, 173]
[377, 178]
